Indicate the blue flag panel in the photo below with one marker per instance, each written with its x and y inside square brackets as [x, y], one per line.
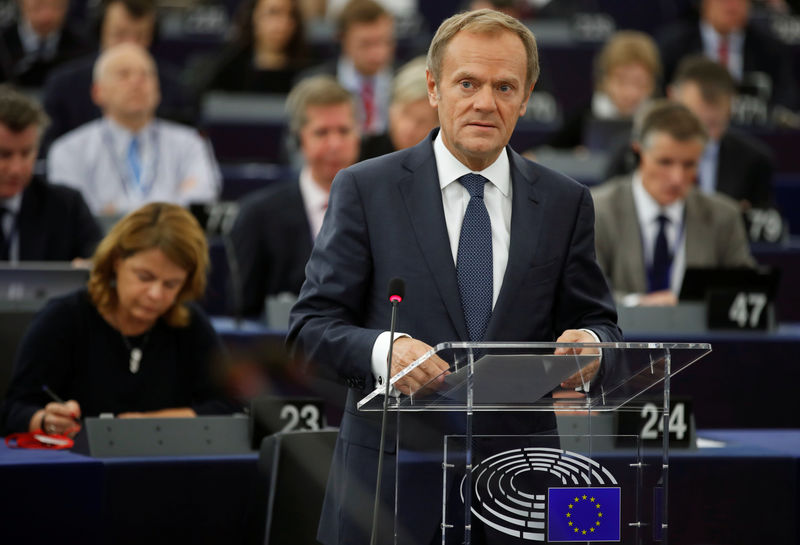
[583, 514]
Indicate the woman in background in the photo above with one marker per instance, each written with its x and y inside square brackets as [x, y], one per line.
[131, 344]
[268, 52]
[627, 71]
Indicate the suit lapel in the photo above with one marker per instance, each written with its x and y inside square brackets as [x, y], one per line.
[699, 231]
[728, 166]
[423, 200]
[630, 240]
[31, 235]
[526, 228]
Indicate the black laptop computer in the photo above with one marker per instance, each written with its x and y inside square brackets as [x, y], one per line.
[698, 282]
[29, 284]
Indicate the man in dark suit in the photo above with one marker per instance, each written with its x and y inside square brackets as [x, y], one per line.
[121, 21]
[491, 247]
[733, 163]
[38, 221]
[38, 42]
[365, 66]
[276, 226]
[760, 64]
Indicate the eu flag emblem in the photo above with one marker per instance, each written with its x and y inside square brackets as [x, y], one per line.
[583, 514]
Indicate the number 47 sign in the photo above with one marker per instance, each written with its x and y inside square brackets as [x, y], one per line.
[738, 310]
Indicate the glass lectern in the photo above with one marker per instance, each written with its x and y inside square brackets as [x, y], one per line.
[497, 450]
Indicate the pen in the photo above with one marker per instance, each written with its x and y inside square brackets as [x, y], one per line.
[46, 389]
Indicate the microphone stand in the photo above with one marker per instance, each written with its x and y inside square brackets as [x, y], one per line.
[374, 534]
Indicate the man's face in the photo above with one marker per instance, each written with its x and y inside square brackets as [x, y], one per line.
[44, 16]
[480, 94]
[726, 15]
[714, 116]
[18, 152]
[370, 45]
[119, 26]
[668, 166]
[329, 140]
[409, 123]
[627, 86]
[129, 86]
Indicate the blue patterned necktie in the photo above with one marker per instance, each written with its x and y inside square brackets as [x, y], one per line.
[662, 260]
[135, 162]
[474, 260]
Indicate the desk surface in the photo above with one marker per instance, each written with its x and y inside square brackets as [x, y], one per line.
[714, 499]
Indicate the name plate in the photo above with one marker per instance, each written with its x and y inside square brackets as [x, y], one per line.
[738, 309]
[764, 225]
[648, 423]
[280, 414]
[199, 436]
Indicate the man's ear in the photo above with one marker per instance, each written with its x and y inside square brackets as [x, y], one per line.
[524, 106]
[433, 92]
[97, 95]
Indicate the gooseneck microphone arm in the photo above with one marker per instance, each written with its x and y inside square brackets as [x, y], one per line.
[397, 290]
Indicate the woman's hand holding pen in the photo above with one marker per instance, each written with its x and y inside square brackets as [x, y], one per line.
[61, 418]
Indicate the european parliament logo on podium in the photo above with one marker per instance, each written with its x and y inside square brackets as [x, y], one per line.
[486, 442]
[581, 514]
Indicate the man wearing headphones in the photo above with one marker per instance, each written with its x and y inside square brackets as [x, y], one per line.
[276, 226]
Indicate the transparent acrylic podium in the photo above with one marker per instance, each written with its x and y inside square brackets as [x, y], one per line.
[495, 450]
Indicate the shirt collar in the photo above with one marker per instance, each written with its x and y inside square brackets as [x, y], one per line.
[451, 169]
[711, 149]
[121, 136]
[314, 196]
[13, 204]
[648, 209]
[711, 38]
[351, 78]
[30, 40]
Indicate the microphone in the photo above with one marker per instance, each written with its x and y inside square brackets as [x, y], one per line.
[397, 290]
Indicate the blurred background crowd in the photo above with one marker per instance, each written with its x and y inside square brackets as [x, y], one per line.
[243, 111]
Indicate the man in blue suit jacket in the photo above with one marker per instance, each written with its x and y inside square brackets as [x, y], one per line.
[401, 215]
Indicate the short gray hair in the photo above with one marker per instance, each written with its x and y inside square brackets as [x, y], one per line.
[669, 117]
[314, 91]
[19, 111]
[482, 20]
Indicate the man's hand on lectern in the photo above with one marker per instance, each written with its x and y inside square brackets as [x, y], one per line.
[587, 373]
[405, 352]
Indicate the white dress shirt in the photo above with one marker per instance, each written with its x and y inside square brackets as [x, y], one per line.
[707, 170]
[647, 212]
[34, 45]
[497, 196]
[352, 80]
[178, 165]
[315, 201]
[711, 39]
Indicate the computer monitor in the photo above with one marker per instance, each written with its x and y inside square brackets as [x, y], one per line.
[28, 285]
[698, 282]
